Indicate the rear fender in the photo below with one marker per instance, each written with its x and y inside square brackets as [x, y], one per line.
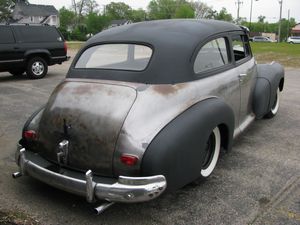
[44, 53]
[177, 151]
[270, 78]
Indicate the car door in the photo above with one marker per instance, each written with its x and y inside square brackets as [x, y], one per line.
[214, 62]
[246, 68]
[7, 48]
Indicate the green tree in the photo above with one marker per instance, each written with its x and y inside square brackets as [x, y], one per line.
[91, 6]
[95, 23]
[286, 25]
[162, 9]
[79, 33]
[118, 10]
[67, 18]
[138, 15]
[224, 15]
[185, 11]
[168, 9]
[261, 19]
[265, 27]
[203, 11]
[6, 9]
[81, 8]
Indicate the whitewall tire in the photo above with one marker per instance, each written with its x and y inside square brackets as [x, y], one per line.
[212, 152]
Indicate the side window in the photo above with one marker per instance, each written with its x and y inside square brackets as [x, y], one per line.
[32, 34]
[241, 47]
[212, 55]
[6, 35]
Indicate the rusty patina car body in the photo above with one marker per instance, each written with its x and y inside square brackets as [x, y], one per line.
[146, 108]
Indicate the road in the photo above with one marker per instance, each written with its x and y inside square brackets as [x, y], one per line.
[258, 182]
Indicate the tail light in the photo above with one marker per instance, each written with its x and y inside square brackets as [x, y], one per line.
[30, 135]
[65, 47]
[129, 160]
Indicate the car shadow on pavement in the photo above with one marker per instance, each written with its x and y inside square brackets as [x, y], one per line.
[9, 77]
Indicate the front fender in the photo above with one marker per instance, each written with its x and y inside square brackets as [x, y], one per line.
[270, 78]
[177, 151]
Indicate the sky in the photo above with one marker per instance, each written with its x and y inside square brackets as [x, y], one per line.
[268, 8]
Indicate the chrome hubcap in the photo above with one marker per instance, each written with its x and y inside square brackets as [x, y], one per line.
[37, 68]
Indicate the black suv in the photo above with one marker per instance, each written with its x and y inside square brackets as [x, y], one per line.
[30, 48]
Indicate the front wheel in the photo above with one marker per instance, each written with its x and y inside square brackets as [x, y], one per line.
[212, 151]
[36, 68]
[273, 111]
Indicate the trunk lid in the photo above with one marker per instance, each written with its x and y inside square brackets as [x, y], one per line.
[90, 116]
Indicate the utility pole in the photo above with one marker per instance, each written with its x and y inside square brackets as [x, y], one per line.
[279, 29]
[251, 14]
[239, 2]
[288, 28]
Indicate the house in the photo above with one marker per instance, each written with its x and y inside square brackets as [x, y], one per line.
[296, 30]
[25, 12]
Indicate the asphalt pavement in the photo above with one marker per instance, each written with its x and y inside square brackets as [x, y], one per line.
[258, 182]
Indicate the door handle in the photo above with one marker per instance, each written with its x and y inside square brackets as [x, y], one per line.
[16, 48]
[242, 75]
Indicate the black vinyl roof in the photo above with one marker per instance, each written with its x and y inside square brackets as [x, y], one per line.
[173, 43]
[163, 31]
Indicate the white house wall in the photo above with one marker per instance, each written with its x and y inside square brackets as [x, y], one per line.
[52, 20]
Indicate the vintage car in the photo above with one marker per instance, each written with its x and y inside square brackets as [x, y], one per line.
[146, 108]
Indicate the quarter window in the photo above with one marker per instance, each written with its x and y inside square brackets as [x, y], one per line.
[38, 34]
[212, 55]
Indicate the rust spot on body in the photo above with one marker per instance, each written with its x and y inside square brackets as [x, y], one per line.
[168, 89]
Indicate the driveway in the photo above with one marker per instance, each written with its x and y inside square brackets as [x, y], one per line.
[258, 182]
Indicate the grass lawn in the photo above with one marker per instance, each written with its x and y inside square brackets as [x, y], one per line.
[286, 54]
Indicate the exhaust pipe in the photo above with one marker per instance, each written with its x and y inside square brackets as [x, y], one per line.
[100, 209]
[16, 175]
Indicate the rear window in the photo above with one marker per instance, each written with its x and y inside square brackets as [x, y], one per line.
[30, 34]
[115, 56]
[6, 35]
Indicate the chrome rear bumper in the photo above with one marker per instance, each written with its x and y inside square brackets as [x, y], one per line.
[124, 189]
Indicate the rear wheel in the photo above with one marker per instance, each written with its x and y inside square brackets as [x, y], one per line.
[273, 111]
[36, 68]
[212, 152]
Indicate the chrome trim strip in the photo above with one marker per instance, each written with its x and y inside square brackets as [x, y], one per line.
[125, 189]
[59, 57]
[14, 60]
